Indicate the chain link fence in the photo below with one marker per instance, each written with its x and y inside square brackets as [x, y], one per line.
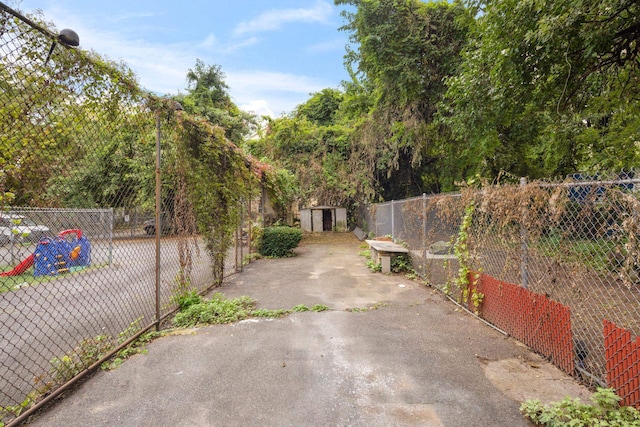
[574, 242]
[85, 268]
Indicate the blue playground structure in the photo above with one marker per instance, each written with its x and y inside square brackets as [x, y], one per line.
[59, 255]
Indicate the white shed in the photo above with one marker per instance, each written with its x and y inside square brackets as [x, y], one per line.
[323, 218]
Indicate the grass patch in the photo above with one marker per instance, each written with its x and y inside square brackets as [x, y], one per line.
[13, 283]
[263, 312]
[194, 310]
[217, 310]
[594, 253]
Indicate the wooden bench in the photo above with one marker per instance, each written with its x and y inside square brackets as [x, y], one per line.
[382, 252]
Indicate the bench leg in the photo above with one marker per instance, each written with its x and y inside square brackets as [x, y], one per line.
[386, 263]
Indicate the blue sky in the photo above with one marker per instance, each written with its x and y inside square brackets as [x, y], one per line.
[273, 53]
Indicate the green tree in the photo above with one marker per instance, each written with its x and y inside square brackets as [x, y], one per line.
[322, 107]
[208, 96]
[548, 88]
[402, 50]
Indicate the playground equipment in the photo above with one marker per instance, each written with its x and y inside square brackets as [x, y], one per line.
[57, 255]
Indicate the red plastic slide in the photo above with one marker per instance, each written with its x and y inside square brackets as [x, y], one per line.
[22, 267]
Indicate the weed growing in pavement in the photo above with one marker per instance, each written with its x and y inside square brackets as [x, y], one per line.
[187, 299]
[572, 412]
[136, 347]
[214, 311]
[263, 312]
[365, 253]
[363, 309]
[374, 266]
[219, 310]
[249, 258]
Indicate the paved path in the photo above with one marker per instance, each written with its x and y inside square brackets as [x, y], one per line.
[415, 360]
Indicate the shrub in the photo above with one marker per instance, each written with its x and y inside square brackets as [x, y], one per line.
[279, 241]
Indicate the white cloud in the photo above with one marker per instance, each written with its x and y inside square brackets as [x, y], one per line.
[209, 41]
[237, 46]
[259, 107]
[251, 89]
[162, 68]
[274, 19]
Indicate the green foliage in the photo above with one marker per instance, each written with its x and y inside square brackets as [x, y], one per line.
[375, 306]
[219, 310]
[402, 264]
[279, 241]
[66, 367]
[300, 308]
[315, 155]
[89, 351]
[214, 311]
[215, 177]
[208, 97]
[263, 312]
[547, 90]
[136, 347]
[283, 189]
[187, 299]
[461, 251]
[374, 266]
[322, 107]
[572, 412]
[365, 253]
[405, 50]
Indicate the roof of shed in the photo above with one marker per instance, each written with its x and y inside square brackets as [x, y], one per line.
[323, 207]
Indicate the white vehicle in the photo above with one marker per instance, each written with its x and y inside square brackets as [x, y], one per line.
[20, 229]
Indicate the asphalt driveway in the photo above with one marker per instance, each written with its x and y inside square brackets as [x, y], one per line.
[389, 352]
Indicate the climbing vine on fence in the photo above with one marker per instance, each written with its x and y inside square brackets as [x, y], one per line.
[218, 176]
[461, 251]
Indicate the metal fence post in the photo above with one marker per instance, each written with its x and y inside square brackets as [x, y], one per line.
[524, 263]
[111, 220]
[424, 231]
[158, 219]
[393, 221]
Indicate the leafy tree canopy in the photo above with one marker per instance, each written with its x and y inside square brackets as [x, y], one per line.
[208, 96]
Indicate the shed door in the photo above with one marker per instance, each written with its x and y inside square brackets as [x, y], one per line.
[316, 220]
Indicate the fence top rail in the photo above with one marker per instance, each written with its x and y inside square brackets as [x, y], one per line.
[587, 183]
[424, 196]
[567, 184]
[79, 210]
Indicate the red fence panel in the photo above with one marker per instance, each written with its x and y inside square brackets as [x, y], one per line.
[623, 363]
[534, 319]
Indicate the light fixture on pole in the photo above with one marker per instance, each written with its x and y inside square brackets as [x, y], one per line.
[68, 38]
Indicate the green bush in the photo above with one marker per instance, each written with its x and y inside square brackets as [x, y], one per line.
[279, 241]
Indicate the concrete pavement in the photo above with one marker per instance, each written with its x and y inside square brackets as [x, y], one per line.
[389, 352]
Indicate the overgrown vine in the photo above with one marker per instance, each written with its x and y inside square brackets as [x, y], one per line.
[461, 251]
